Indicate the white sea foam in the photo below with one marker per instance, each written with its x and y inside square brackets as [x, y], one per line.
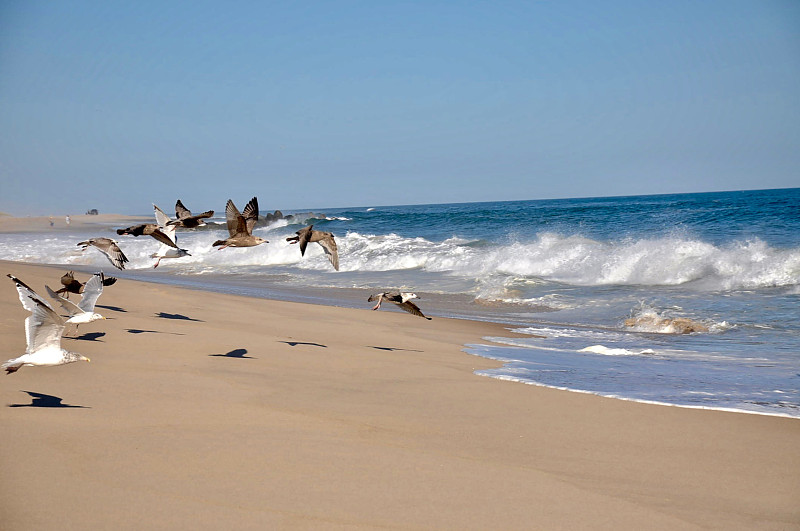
[610, 351]
[498, 270]
[583, 262]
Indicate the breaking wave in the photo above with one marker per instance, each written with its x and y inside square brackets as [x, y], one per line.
[501, 270]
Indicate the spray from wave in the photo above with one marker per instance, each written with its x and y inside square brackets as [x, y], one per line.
[500, 271]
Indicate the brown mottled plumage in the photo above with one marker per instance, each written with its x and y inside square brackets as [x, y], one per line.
[109, 248]
[149, 229]
[325, 239]
[186, 219]
[401, 299]
[240, 226]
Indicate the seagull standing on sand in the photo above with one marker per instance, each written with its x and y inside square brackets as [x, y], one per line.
[75, 286]
[401, 299]
[43, 329]
[240, 226]
[171, 251]
[186, 219]
[109, 248]
[325, 239]
[83, 312]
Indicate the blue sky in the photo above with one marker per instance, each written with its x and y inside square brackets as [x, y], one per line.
[116, 105]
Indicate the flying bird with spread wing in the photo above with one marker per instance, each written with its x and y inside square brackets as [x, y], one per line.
[167, 251]
[240, 226]
[324, 239]
[186, 219]
[401, 299]
[43, 330]
[71, 285]
[109, 248]
[149, 229]
[83, 312]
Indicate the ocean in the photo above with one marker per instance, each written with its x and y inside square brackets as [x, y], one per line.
[594, 285]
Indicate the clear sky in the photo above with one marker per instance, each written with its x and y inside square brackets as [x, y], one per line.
[115, 105]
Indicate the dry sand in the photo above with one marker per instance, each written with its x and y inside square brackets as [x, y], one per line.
[209, 411]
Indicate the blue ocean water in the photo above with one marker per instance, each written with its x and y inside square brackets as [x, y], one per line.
[592, 284]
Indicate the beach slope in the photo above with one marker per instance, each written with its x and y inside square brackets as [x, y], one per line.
[211, 411]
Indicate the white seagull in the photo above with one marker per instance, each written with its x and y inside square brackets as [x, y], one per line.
[83, 312]
[43, 329]
[168, 229]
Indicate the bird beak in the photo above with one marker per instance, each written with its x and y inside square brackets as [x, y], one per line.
[88, 360]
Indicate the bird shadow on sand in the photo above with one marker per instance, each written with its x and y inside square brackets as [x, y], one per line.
[42, 400]
[88, 336]
[177, 316]
[392, 349]
[295, 343]
[235, 353]
[112, 308]
[140, 331]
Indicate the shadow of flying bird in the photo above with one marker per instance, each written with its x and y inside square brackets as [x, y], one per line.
[240, 353]
[42, 400]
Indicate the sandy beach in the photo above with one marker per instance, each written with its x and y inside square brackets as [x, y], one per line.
[59, 223]
[212, 411]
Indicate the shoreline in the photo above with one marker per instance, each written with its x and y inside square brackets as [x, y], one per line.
[203, 409]
[435, 304]
[9, 224]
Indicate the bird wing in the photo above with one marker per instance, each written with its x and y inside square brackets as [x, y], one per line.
[164, 236]
[135, 230]
[165, 230]
[251, 214]
[68, 278]
[181, 211]
[206, 214]
[112, 252]
[161, 217]
[91, 291]
[43, 328]
[25, 293]
[234, 219]
[329, 246]
[412, 308]
[69, 306]
[303, 237]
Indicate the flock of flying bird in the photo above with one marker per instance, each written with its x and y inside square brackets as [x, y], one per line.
[45, 327]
